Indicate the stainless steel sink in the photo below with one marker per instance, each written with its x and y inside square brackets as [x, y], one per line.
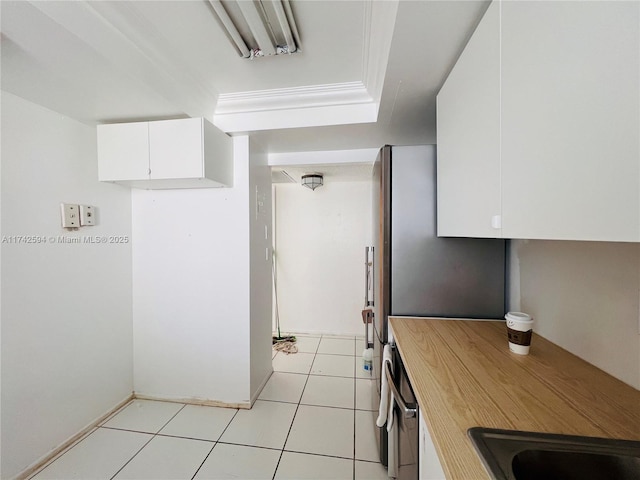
[515, 455]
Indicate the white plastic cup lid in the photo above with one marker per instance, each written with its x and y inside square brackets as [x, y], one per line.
[518, 317]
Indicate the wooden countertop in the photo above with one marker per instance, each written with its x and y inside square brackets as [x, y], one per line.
[464, 375]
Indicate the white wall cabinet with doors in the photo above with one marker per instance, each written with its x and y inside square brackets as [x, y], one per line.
[565, 163]
[165, 154]
[468, 122]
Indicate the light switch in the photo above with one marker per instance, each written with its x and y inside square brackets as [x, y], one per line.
[70, 215]
[87, 215]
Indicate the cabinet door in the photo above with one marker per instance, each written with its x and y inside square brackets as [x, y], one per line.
[570, 120]
[123, 151]
[430, 466]
[468, 125]
[176, 149]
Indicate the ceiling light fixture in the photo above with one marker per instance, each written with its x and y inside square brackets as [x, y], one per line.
[312, 181]
[259, 28]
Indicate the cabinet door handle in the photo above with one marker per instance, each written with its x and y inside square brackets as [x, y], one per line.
[409, 410]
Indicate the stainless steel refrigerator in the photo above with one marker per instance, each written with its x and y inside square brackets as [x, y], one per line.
[415, 272]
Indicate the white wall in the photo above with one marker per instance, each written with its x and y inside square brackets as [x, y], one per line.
[191, 290]
[66, 310]
[320, 240]
[584, 296]
[261, 280]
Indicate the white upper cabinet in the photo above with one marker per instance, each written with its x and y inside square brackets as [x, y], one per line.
[569, 135]
[570, 120]
[123, 151]
[468, 125]
[176, 149]
[184, 153]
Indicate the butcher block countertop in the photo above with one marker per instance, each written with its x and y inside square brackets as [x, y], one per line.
[464, 375]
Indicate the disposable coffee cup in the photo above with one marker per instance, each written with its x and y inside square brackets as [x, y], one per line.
[519, 330]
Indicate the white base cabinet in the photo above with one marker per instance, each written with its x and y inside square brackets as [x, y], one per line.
[166, 154]
[539, 125]
[429, 467]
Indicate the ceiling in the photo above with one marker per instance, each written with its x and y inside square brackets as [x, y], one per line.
[341, 172]
[367, 75]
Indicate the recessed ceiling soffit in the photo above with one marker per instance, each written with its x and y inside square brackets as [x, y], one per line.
[319, 105]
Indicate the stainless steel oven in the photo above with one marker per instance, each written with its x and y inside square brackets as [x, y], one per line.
[404, 437]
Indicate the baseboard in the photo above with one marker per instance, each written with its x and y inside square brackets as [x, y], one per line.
[192, 401]
[318, 333]
[53, 454]
[46, 459]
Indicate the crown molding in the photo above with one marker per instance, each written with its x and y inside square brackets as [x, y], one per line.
[319, 105]
[291, 98]
[380, 22]
[315, 105]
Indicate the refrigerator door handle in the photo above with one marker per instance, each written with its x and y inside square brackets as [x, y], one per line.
[368, 276]
[371, 277]
[409, 410]
[367, 312]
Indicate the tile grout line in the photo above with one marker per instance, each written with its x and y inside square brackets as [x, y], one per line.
[209, 440]
[234, 444]
[215, 443]
[322, 455]
[205, 459]
[354, 378]
[154, 435]
[282, 450]
[134, 456]
[337, 354]
[296, 412]
[81, 439]
[87, 435]
[326, 406]
[61, 454]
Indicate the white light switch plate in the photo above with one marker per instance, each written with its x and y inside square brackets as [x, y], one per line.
[87, 215]
[70, 215]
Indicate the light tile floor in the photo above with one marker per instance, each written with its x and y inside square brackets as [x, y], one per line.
[313, 420]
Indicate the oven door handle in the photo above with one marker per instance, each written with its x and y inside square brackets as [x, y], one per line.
[409, 410]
